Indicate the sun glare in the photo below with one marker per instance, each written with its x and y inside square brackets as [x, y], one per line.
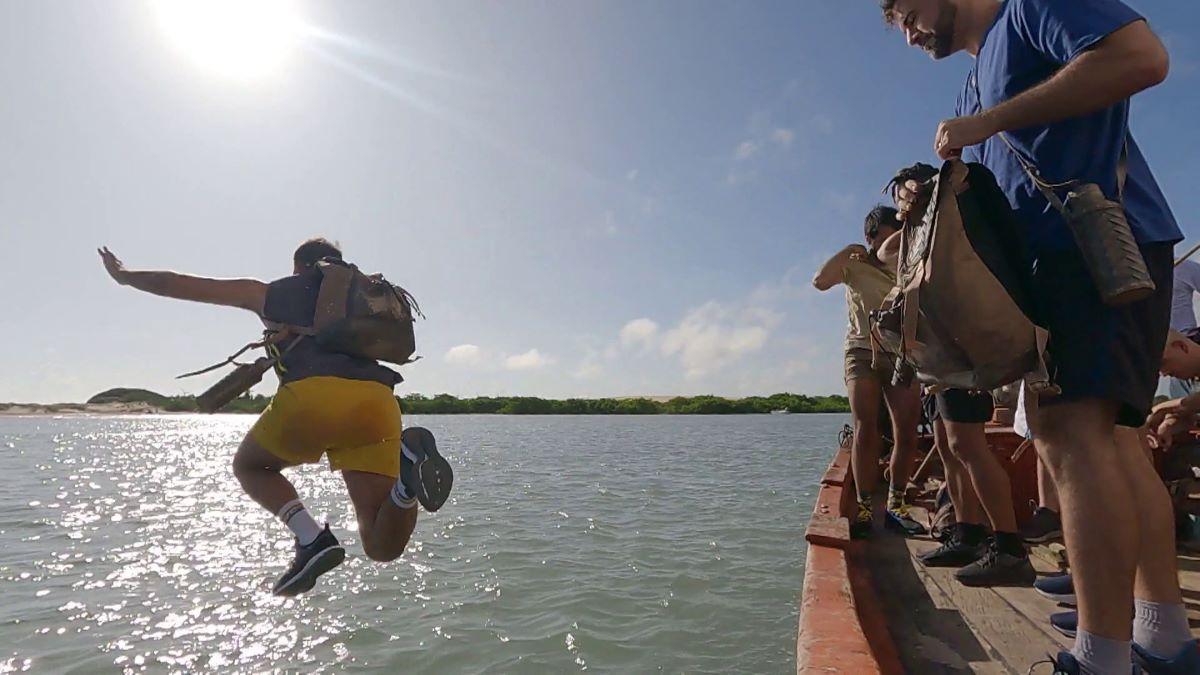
[240, 39]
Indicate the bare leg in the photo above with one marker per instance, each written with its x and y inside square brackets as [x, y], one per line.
[383, 527]
[864, 454]
[966, 505]
[1100, 519]
[259, 473]
[1047, 494]
[988, 478]
[904, 403]
[1157, 574]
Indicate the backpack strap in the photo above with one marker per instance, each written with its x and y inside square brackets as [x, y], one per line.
[333, 298]
[273, 338]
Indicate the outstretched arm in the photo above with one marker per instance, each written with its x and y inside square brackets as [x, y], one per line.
[248, 294]
[830, 274]
[889, 251]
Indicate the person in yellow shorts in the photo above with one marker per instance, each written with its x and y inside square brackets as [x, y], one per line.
[328, 404]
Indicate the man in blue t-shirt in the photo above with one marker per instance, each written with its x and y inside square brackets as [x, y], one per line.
[1053, 78]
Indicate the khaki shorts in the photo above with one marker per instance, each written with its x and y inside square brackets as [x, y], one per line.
[354, 423]
[858, 366]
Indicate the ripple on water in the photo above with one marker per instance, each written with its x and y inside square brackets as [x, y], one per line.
[610, 544]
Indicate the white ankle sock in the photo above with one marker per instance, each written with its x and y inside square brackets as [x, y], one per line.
[296, 517]
[1159, 628]
[1101, 656]
[400, 496]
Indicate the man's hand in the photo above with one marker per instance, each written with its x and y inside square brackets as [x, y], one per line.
[1171, 417]
[858, 252]
[114, 266]
[960, 132]
[908, 196]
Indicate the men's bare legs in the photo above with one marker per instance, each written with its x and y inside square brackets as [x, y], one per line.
[1076, 440]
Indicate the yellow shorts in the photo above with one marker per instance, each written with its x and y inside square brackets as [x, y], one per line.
[355, 423]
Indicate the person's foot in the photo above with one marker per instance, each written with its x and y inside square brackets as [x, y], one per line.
[1042, 527]
[860, 524]
[997, 568]
[1058, 588]
[311, 561]
[1187, 661]
[954, 552]
[1066, 623]
[898, 519]
[425, 473]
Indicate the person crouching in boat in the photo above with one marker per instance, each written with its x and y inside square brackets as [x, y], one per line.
[869, 381]
[328, 403]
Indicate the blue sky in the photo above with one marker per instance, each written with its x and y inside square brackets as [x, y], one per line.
[588, 198]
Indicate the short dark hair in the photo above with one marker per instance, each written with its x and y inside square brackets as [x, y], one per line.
[878, 217]
[889, 10]
[315, 249]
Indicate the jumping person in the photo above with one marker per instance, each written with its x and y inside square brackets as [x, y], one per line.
[328, 403]
[1050, 89]
[869, 382]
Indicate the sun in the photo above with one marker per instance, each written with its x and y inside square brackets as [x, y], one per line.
[239, 39]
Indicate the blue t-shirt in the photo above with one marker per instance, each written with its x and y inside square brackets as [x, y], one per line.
[1030, 41]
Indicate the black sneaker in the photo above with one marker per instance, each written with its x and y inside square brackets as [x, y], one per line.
[425, 473]
[1066, 623]
[313, 560]
[860, 524]
[997, 568]
[1186, 661]
[954, 552]
[1058, 588]
[1044, 526]
[898, 520]
[1066, 664]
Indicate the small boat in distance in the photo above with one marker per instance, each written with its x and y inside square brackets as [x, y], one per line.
[781, 412]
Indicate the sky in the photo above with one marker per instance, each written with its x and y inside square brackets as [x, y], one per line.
[614, 198]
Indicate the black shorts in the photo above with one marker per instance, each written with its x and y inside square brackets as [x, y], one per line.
[1098, 351]
[965, 407]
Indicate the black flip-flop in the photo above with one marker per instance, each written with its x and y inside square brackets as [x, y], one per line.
[430, 476]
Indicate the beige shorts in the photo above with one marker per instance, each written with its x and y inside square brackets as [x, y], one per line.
[858, 365]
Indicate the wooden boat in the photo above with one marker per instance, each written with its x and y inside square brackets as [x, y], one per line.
[869, 607]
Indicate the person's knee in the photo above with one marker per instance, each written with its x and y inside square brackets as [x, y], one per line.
[380, 552]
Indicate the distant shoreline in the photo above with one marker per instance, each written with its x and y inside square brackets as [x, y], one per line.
[144, 402]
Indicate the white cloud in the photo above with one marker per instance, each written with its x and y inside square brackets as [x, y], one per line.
[745, 150]
[639, 332]
[631, 175]
[714, 336]
[783, 137]
[464, 355]
[530, 360]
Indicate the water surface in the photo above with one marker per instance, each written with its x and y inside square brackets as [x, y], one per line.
[605, 544]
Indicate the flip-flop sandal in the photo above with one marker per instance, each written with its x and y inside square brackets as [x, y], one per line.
[430, 476]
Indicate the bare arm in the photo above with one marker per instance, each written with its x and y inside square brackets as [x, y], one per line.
[1130, 60]
[889, 250]
[830, 274]
[248, 294]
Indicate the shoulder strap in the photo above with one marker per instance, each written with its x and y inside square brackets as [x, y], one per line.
[1045, 187]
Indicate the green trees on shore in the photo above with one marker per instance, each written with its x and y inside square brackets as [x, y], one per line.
[445, 404]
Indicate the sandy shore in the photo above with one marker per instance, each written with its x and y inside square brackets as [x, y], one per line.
[79, 409]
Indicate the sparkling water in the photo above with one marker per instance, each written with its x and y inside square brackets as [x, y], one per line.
[605, 544]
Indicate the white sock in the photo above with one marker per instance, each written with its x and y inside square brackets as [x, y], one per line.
[401, 496]
[1159, 628]
[296, 517]
[1101, 656]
